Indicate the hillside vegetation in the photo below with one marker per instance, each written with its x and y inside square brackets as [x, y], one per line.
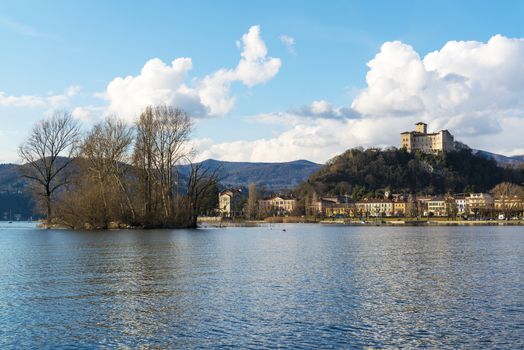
[370, 172]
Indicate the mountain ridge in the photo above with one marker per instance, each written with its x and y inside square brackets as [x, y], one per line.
[271, 176]
[501, 159]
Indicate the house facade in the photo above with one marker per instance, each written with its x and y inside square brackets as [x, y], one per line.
[375, 207]
[479, 202]
[508, 203]
[400, 208]
[461, 203]
[229, 203]
[278, 205]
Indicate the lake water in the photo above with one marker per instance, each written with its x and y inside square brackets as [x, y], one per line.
[310, 286]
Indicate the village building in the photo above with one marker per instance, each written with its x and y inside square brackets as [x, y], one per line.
[277, 205]
[479, 202]
[230, 202]
[442, 206]
[315, 208]
[461, 204]
[422, 205]
[400, 208]
[375, 207]
[437, 206]
[347, 210]
[335, 206]
[421, 140]
[506, 203]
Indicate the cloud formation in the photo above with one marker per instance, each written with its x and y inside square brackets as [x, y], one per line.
[313, 139]
[38, 101]
[469, 87]
[289, 43]
[324, 109]
[161, 83]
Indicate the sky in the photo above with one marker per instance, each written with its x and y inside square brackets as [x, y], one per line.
[270, 81]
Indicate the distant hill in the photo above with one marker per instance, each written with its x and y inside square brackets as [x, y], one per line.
[15, 202]
[15, 199]
[269, 176]
[514, 161]
[10, 178]
[371, 172]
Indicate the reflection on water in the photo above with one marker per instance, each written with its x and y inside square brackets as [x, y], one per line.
[308, 287]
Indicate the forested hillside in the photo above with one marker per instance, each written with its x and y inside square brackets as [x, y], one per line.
[369, 172]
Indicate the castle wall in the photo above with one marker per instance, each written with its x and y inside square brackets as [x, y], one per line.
[441, 141]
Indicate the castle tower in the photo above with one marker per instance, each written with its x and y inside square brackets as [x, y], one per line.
[421, 128]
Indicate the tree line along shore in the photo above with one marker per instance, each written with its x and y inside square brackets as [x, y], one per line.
[118, 175]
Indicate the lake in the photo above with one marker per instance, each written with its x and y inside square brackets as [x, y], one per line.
[310, 286]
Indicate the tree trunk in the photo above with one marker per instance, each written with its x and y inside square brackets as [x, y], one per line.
[48, 205]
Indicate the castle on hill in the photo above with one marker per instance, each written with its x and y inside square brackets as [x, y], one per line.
[421, 140]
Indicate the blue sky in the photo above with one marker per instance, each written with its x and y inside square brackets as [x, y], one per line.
[48, 47]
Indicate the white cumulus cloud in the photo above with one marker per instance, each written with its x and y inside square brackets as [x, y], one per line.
[161, 83]
[466, 86]
[255, 67]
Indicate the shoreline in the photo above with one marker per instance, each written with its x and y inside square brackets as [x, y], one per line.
[216, 223]
[340, 222]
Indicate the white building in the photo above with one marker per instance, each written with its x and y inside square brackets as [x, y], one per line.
[461, 203]
[229, 201]
[437, 206]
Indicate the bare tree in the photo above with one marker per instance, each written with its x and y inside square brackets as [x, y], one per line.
[173, 131]
[162, 133]
[144, 158]
[508, 195]
[200, 187]
[106, 149]
[50, 140]
[251, 210]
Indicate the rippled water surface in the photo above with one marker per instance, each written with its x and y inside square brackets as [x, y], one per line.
[310, 286]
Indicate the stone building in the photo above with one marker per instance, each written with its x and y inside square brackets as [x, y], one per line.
[479, 202]
[442, 206]
[277, 205]
[230, 202]
[375, 207]
[421, 140]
